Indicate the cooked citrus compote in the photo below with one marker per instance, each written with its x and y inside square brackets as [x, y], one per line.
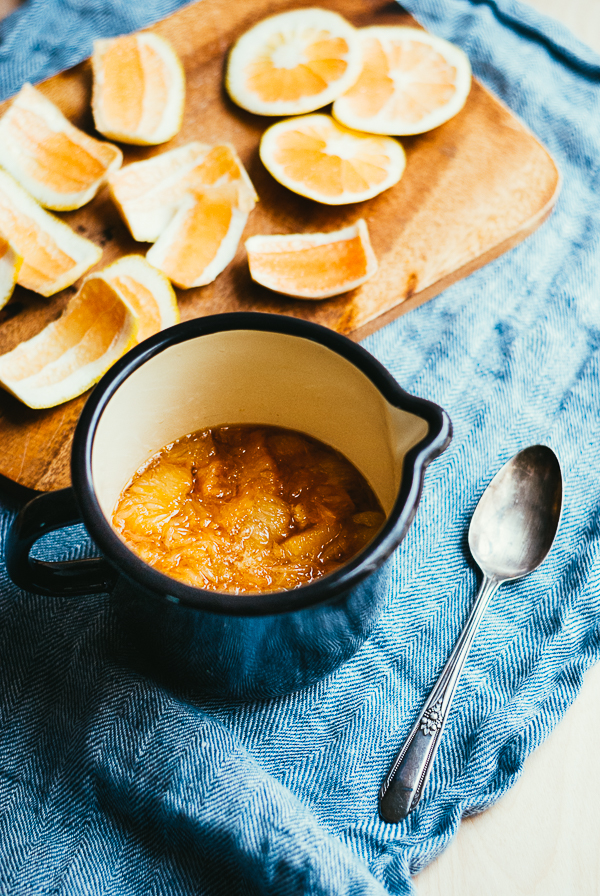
[245, 509]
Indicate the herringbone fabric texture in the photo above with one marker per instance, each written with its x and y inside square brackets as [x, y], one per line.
[110, 785]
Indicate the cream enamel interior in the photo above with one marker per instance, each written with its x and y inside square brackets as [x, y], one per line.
[250, 376]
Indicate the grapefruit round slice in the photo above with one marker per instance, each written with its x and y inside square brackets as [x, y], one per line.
[54, 256]
[139, 88]
[316, 157]
[71, 354]
[313, 265]
[10, 265]
[148, 193]
[410, 82]
[60, 166]
[146, 290]
[293, 62]
[202, 237]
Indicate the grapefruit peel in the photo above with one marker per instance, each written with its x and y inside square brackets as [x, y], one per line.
[411, 82]
[59, 165]
[313, 265]
[203, 236]
[148, 193]
[294, 62]
[317, 157]
[146, 290]
[138, 92]
[54, 256]
[71, 354]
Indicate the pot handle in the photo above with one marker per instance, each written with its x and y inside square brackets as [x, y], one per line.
[45, 513]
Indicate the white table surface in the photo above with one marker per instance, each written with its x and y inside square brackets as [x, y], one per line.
[543, 837]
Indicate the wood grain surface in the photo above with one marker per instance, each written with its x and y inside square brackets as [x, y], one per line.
[472, 189]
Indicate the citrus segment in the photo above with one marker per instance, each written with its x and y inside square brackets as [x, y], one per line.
[54, 256]
[410, 82]
[148, 193]
[139, 88]
[293, 62]
[69, 355]
[10, 265]
[203, 236]
[57, 163]
[316, 157]
[146, 290]
[313, 265]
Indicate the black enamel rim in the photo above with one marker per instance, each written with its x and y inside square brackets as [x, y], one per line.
[320, 591]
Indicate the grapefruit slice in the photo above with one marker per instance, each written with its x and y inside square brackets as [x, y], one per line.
[148, 193]
[60, 166]
[146, 290]
[410, 82]
[293, 62]
[313, 265]
[203, 236]
[69, 355]
[316, 157]
[54, 256]
[10, 265]
[139, 88]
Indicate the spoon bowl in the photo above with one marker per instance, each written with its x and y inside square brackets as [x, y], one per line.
[511, 532]
[515, 522]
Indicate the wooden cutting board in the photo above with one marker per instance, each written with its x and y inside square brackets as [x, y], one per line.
[473, 188]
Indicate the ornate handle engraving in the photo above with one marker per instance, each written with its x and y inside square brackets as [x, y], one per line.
[402, 788]
[431, 720]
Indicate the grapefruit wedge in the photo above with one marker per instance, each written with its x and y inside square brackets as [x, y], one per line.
[54, 256]
[316, 157]
[148, 193]
[203, 236]
[10, 265]
[293, 62]
[71, 354]
[139, 89]
[313, 265]
[58, 164]
[146, 290]
[410, 82]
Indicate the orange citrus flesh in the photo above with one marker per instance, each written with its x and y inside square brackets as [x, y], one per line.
[124, 71]
[139, 89]
[69, 355]
[323, 64]
[146, 290]
[313, 265]
[410, 82]
[57, 163]
[54, 256]
[148, 193]
[319, 158]
[203, 236]
[247, 509]
[293, 62]
[10, 265]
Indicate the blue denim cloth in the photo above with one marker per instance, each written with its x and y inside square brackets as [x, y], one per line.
[109, 784]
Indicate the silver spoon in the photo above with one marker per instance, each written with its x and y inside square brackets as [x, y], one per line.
[511, 532]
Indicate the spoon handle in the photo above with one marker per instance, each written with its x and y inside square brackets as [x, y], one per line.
[402, 788]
